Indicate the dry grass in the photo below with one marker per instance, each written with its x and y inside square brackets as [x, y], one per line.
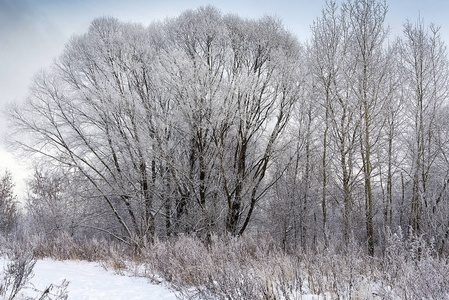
[250, 268]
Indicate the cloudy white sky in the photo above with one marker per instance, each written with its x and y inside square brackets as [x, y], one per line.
[33, 33]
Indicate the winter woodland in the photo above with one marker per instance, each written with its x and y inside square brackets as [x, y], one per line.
[208, 129]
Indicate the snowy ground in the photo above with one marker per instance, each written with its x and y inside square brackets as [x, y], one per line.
[91, 281]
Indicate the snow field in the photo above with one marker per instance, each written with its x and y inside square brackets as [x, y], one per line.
[89, 281]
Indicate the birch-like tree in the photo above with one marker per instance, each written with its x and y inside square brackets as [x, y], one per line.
[370, 85]
[425, 64]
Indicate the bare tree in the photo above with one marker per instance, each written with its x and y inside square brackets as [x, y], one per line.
[85, 116]
[370, 86]
[267, 82]
[325, 50]
[333, 69]
[151, 114]
[57, 204]
[8, 204]
[425, 64]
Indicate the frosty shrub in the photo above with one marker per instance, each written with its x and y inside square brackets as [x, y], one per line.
[228, 268]
[55, 292]
[65, 247]
[16, 274]
[249, 268]
[18, 270]
[342, 273]
[15, 277]
[412, 269]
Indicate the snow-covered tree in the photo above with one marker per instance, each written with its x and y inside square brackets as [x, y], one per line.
[176, 121]
[8, 204]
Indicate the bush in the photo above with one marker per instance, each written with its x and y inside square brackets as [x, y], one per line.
[250, 268]
[412, 269]
[17, 273]
[228, 268]
[245, 268]
[65, 247]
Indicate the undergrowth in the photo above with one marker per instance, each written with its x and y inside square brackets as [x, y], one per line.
[254, 268]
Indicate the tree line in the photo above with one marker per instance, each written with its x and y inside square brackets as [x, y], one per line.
[209, 124]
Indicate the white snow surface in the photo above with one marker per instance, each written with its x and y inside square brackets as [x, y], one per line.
[89, 281]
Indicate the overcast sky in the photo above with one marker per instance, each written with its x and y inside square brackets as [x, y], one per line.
[33, 33]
